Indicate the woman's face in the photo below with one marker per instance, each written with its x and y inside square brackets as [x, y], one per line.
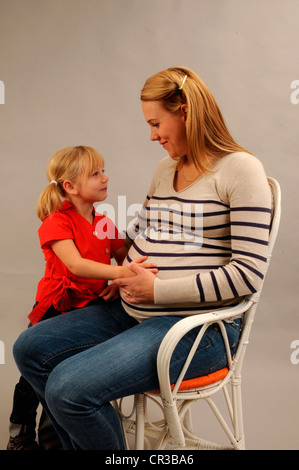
[167, 128]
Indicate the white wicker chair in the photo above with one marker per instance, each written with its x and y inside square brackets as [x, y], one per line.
[174, 430]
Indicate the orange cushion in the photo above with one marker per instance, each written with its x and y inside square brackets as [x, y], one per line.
[204, 380]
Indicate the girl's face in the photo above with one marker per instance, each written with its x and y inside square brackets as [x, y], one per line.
[167, 128]
[94, 187]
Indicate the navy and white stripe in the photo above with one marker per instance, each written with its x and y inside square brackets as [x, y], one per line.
[209, 251]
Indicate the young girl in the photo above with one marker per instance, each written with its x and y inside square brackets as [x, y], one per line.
[77, 244]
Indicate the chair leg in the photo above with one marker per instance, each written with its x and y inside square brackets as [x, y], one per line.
[238, 412]
[140, 420]
[188, 420]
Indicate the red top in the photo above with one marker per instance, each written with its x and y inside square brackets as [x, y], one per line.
[59, 287]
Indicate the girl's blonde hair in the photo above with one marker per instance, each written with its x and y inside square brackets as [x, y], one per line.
[206, 131]
[70, 163]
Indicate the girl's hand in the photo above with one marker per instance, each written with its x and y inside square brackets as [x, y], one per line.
[111, 292]
[140, 287]
[141, 261]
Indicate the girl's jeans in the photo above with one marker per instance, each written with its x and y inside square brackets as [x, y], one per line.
[80, 361]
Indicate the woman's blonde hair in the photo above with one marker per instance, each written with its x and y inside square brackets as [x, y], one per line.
[70, 163]
[206, 131]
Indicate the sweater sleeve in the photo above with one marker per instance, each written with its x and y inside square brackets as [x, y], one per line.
[246, 190]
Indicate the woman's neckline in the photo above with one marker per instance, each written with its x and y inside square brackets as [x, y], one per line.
[189, 185]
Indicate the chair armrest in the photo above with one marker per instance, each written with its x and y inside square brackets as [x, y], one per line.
[169, 343]
[176, 333]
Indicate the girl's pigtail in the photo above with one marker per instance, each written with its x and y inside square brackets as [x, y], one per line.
[49, 200]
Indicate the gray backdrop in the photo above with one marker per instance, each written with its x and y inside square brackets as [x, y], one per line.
[73, 70]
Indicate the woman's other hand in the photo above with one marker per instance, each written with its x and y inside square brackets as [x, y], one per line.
[140, 287]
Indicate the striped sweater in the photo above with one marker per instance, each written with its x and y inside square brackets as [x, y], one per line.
[209, 240]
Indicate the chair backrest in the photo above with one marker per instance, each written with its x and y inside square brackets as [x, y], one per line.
[274, 225]
[249, 315]
[276, 208]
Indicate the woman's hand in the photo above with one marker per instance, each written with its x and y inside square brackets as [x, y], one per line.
[140, 287]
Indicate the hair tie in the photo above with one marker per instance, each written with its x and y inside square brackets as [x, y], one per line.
[53, 181]
[182, 84]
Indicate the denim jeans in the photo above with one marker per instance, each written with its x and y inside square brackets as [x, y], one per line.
[80, 361]
[25, 401]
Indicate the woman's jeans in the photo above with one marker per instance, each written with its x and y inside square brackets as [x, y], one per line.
[25, 401]
[80, 361]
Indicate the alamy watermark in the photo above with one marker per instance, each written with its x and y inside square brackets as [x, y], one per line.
[179, 223]
[295, 354]
[2, 92]
[102, 231]
[295, 94]
[2, 353]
